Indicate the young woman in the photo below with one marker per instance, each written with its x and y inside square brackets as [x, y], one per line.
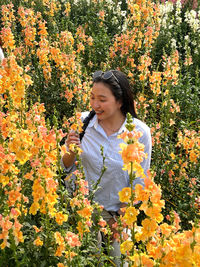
[111, 99]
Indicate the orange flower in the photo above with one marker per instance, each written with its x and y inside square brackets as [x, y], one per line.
[85, 212]
[60, 250]
[60, 218]
[141, 259]
[102, 223]
[14, 195]
[154, 212]
[5, 224]
[132, 152]
[7, 14]
[140, 193]
[155, 82]
[42, 28]
[90, 41]
[8, 38]
[149, 228]
[83, 228]
[38, 242]
[125, 194]
[18, 235]
[72, 239]
[126, 246]
[166, 229]
[4, 180]
[70, 255]
[37, 230]
[67, 9]
[15, 212]
[34, 208]
[59, 238]
[130, 215]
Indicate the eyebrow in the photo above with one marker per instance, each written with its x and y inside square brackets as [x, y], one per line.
[99, 95]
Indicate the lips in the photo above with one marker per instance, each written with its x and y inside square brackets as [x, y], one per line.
[98, 112]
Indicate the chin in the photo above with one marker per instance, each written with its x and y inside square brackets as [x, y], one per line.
[99, 115]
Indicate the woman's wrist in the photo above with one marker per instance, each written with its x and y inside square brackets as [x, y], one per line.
[69, 152]
[68, 158]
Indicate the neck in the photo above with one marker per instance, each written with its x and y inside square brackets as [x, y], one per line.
[112, 126]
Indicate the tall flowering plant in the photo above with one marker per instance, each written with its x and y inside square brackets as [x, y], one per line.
[158, 50]
[58, 43]
[34, 214]
[149, 240]
[132, 151]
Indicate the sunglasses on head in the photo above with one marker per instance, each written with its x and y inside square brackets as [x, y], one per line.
[105, 75]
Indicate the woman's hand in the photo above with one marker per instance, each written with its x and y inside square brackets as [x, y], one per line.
[69, 157]
[72, 138]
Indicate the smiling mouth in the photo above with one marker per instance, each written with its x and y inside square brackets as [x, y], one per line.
[99, 112]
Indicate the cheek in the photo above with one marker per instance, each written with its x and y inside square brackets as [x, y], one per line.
[92, 102]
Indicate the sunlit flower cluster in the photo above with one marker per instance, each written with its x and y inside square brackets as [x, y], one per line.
[162, 240]
[171, 65]
[169, 26]
[191, 17]
[44, 51]
[135, 38]
[61, 54]
[132, 151]
[190, 141]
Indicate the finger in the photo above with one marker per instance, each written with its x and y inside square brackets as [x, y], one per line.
[72, 140]
[73, 133]
[72, 136]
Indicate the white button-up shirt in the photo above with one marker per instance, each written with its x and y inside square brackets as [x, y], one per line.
[114, 178]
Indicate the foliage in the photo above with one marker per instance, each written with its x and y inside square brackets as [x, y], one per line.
[165, 79]
[51, 49]
[153, 242]
[58, 43]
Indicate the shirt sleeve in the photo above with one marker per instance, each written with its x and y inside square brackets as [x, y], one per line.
[67, 169]
[146, 140]
[69, 184]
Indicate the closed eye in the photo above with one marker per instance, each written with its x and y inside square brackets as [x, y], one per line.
[101, 100]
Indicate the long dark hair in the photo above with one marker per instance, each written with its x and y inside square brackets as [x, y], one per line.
[120, 88]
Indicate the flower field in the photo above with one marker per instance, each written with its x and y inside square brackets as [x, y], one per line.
[51, 49]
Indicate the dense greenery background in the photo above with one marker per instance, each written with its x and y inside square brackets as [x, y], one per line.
[59, 44]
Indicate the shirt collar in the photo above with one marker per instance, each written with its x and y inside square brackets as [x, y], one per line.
[123, 127]
[94, 123]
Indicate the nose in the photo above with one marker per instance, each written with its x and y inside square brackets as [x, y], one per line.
[95, 104]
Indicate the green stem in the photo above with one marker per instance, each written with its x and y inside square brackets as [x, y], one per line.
[104, 168]
[133, 238]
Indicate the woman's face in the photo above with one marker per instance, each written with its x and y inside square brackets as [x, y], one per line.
[104, 103]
